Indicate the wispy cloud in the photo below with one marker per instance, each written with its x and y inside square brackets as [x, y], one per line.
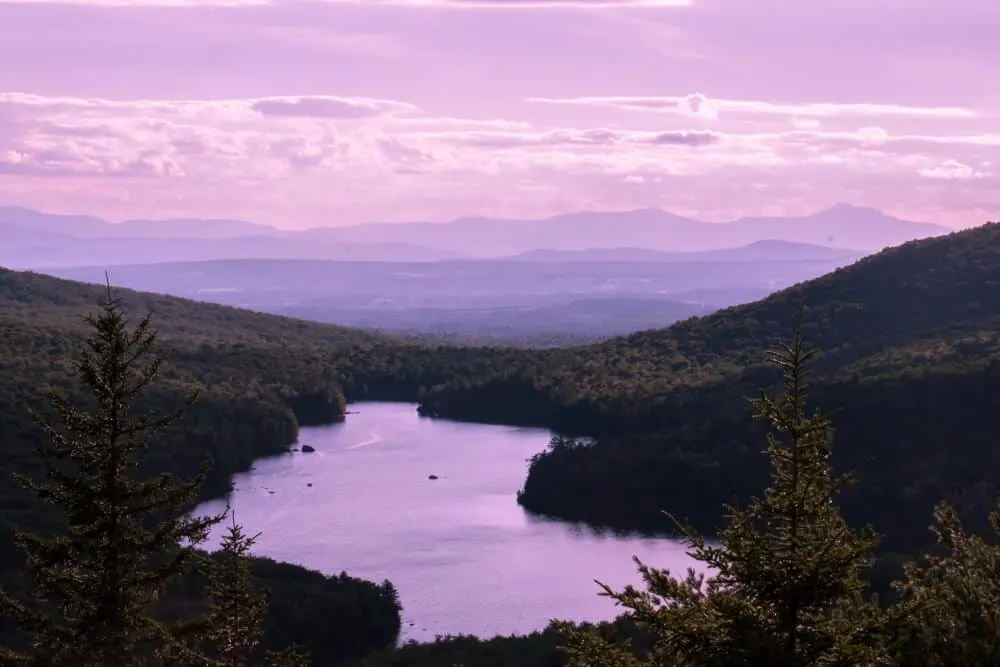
[304, 106]
[701, 105]
[953, 169]
[592, 137]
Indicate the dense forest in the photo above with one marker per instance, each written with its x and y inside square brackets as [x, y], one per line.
[657, 420]
[911, 354]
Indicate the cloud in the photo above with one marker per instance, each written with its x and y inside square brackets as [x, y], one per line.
[452, 123]
[601, 138]
[684, 138]
[327, 107]
[952, 169]
[301, 106]
[701, 106]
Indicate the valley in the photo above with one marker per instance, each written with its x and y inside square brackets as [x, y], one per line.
[649, 420]
[517, 302]
[499, 333]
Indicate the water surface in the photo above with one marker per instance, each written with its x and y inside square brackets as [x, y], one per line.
[464, 556]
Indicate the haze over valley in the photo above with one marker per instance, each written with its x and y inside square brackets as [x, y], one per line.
[568, 279]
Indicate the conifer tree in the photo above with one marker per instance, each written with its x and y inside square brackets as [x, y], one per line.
[951, 598]
[784, 586]
[126, 534]
[234, 625]
[236, 607]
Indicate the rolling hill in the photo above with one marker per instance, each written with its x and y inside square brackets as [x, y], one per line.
[256, 370]
[911, 352]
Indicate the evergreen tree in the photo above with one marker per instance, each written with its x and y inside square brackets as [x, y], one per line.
[784, 588]
[952, 598]
[234, 625]
[126, 534]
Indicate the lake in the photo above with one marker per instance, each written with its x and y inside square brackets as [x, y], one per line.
[464, 556]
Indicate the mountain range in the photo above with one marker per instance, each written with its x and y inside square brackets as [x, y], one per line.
[31, 239]
[758, 251]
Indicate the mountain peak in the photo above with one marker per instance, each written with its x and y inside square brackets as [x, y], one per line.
[842, 208]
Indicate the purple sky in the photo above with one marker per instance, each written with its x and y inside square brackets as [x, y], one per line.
[302, 112]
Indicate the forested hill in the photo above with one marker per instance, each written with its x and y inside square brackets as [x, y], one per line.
[61, 304]
[909, 308]
[260, 376]
[911, 352]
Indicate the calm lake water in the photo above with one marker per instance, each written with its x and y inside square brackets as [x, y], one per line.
[464, 556]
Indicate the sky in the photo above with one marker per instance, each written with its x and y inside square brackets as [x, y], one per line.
[301, 113]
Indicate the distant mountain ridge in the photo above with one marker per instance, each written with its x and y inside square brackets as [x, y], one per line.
[766, 250]
[91, 227]
[31, 239]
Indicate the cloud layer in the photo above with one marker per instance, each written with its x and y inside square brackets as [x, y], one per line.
[342, 111]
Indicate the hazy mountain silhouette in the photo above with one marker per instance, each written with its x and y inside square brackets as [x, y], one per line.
[842, 226]
[194, 228]
[87, 226]
[30, 239]
[758, 251]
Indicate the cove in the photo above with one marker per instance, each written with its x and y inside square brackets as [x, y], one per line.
[464, 556]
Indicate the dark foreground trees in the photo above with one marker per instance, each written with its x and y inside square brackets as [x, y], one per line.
[231, 632]
[784, 584]
[126, 534]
